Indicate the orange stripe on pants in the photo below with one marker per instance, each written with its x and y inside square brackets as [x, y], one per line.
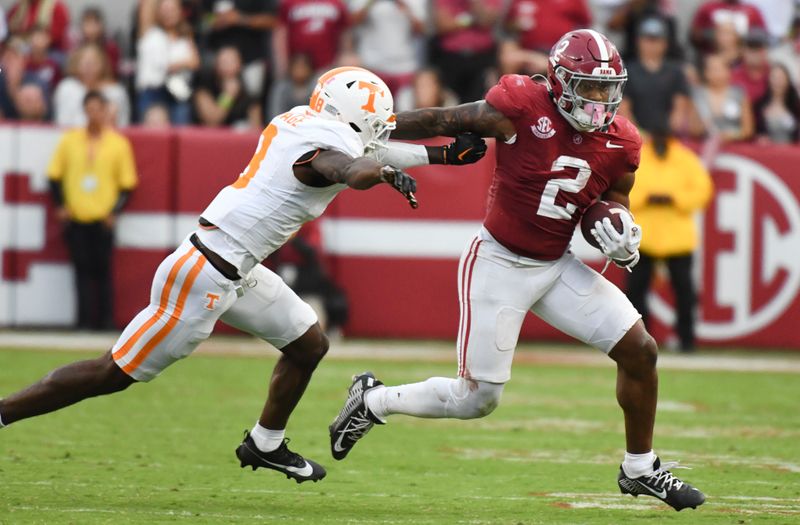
[171, 322]
[173, 274]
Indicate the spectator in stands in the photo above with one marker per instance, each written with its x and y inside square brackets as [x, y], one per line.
[12, 75]
[31, 103]
[92, 174]
[165, 60]
[25, 15]
[671, 187]
[722, 111]
[753, 72]
[533, 27]
[93, 31]
[295, 90]
[743, 18]
[466, 44]
[317, 28]
[38, 63]
[88, 70]
[387, 34]
[777, 112]
[220, 98]
[657, 93]
[247, 26]
[728, 43]
[629, 16]
[427, 91]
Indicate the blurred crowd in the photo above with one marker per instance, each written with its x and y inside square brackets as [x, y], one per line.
[731, 76]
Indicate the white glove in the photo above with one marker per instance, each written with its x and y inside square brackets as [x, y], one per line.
[622, 248]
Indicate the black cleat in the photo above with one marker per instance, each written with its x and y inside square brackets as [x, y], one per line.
[355, 419]
[281, 459]
[663, 485]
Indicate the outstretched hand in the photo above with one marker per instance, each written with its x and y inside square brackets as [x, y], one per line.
[402, 182]
[465, 149]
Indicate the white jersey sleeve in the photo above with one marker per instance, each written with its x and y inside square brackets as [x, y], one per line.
[266, 205]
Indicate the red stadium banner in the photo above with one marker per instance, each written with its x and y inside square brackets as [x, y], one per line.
[397, 265]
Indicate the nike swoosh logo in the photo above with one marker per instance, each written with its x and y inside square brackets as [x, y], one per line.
[661, 495]
[612, 146]
[461, 157]
[305, 471]
[338, 445]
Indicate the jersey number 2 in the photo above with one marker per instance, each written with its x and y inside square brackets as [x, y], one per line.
[548, 206]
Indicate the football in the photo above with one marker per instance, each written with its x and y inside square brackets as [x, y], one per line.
[597, 212]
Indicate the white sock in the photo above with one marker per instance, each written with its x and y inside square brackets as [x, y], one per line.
[267, 440]
[1, 421]
[638, 465]
[375, 403]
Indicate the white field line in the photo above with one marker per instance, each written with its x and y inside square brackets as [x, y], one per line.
[416, 351]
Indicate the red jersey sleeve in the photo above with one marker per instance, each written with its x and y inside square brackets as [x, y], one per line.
[512, 95]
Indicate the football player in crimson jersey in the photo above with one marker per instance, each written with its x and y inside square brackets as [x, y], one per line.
[559, 148]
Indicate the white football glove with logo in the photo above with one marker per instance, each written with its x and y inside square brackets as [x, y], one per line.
[621, 248]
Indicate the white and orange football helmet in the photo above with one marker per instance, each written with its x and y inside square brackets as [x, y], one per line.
[360, 99]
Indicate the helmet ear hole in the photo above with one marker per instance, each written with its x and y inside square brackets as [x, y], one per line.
[355, 128]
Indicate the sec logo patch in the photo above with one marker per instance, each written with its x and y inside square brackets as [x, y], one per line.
[543, 128]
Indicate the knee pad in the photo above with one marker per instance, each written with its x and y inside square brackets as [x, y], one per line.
[471, 399]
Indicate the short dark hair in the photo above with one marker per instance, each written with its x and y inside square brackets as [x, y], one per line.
[94, 95]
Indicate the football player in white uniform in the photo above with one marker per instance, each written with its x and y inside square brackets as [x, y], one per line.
[304, 158]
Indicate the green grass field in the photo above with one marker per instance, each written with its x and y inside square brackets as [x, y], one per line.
[163, 452]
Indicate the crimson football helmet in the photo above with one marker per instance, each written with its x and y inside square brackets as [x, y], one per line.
[586, 77]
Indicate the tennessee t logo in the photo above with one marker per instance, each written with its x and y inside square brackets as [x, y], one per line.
[373, 89]
[212, 300]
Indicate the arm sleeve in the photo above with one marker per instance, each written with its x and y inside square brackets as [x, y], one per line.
[122, 200]
[57, 192]
[401, 155]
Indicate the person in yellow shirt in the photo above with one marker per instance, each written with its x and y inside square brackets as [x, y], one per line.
[91, 176]
[672, 185]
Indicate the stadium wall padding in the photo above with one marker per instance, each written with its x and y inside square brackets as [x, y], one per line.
[397, 265]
